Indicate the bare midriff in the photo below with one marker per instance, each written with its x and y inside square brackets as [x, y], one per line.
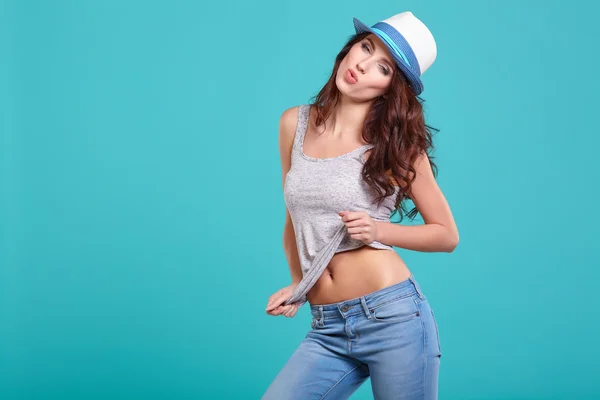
[357, 272]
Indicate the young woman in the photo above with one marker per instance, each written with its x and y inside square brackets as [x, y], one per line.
[350, 160]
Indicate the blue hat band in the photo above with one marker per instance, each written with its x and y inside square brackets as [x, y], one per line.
[397, 42]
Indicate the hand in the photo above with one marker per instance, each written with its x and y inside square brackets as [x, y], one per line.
[274, 306]
[360, 225]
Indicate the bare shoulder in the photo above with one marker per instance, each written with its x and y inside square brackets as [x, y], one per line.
[288, 121]
[287, 131]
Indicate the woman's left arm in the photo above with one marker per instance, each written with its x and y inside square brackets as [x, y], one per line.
[439, 232]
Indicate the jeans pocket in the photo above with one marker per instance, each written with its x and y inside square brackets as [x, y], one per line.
[437, 332]
[396, 310]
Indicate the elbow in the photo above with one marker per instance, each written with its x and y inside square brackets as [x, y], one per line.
[452, 241]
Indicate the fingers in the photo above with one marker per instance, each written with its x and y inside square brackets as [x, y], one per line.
[275, 300]
[275, 296]
[277, 310]
[274, 312]
[291, 312]
[360, 229]
[287, 311]
[357, 223]
[275, 304]
[348, 216]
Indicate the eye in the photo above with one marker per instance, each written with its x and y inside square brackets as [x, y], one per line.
[381, 67]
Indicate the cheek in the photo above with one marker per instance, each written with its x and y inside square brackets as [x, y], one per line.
[355, 53]
[383, 82]
[379, 82]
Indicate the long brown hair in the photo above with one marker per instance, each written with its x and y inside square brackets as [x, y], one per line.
[395, 125]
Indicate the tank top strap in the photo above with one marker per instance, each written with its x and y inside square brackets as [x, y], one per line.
[365, 148]
[302, 125]
[368, 147]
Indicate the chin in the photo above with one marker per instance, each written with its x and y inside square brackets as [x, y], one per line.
[341, 84]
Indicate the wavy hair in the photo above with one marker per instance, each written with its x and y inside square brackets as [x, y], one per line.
[395, 125]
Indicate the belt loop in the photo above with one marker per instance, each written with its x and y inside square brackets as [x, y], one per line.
[364, 305]
[416, 285]
[322, 316]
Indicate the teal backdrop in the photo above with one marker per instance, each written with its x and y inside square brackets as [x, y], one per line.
[142, 211]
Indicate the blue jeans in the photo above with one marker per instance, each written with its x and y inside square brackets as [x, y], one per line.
[389, 335]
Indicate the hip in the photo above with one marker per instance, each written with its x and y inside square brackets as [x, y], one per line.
[398, 316]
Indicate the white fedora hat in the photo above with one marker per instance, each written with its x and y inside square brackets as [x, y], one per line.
[410, 43]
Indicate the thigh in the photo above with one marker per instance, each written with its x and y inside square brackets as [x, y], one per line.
[315, 372]
[403, 351]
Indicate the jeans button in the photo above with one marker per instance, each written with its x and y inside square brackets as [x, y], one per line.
[345, 308]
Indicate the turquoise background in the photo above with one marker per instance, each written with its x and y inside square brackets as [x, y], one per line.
[142, 211]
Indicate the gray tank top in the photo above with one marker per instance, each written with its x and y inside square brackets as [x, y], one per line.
[315, 190]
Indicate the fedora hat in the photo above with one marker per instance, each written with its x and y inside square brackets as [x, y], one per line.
[410, 43]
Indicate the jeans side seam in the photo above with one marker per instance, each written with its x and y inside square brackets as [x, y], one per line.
[338, 382]
[424, 344]
[416, 286]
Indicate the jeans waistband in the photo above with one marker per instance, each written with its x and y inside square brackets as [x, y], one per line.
[361, 304]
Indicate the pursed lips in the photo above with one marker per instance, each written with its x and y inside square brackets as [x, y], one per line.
[353, 74]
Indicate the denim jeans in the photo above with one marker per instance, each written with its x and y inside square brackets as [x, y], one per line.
[389, 335]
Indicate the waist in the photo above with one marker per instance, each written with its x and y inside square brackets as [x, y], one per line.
[364, 258]
[345, 308]
[356, 272]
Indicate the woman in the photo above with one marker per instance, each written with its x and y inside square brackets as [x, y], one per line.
[341, 185]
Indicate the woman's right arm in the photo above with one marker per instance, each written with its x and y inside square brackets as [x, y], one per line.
[287, 131]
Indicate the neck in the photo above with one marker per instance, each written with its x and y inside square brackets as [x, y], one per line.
[346, 120]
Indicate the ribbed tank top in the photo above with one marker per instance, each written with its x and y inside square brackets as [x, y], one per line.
[315, 190]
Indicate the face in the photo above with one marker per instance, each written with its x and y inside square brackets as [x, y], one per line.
[373, 66]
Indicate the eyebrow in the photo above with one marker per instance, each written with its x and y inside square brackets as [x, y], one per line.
[385, 59]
